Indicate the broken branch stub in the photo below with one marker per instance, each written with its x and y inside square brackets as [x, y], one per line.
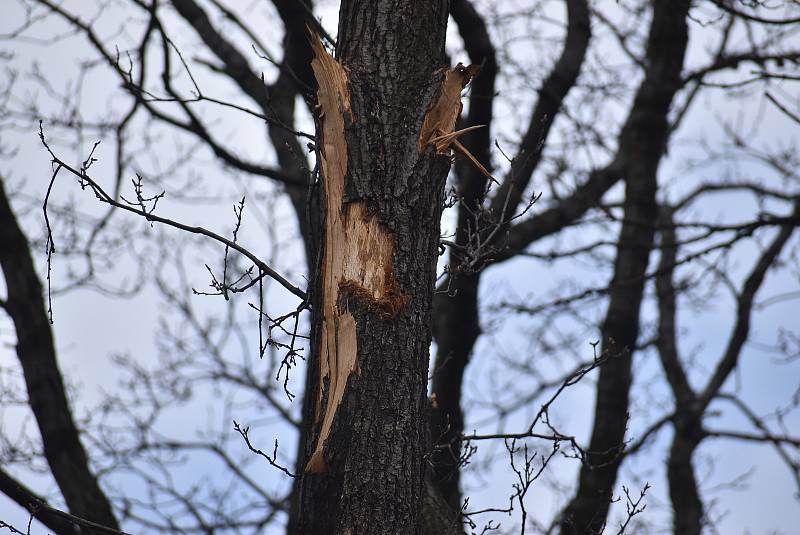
[440, 119]
[357, 252]
[438, 127]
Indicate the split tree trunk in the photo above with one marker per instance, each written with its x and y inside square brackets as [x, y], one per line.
[382, 104]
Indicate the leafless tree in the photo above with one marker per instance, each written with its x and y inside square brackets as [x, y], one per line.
[582, 156]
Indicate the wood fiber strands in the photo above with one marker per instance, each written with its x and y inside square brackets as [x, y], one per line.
[357, 255]
[358, 250]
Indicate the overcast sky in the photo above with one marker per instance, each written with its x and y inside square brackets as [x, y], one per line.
[92, 327]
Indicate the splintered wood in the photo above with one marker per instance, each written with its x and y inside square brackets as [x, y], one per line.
[439, 124]
[440, 120]
[357, 256]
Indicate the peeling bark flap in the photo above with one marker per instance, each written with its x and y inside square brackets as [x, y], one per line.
[357, 255]
[438, 127]
[440, 120]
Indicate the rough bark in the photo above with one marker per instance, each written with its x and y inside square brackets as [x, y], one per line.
[47, 397]
[382, 181]
[647, 134]
[278, 102]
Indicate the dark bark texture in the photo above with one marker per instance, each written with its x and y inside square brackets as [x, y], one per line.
[373, 476]
[643, 141]
[47, 397]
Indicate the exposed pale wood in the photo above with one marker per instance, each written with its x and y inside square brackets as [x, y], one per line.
[438, 128]
[440, 120]
[357, 255]
[474, 161]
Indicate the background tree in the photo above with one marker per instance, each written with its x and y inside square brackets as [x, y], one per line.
[615, 143]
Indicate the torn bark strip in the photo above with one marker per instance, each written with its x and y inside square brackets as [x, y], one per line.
[440, 120]
[438, 127]
[357, 253]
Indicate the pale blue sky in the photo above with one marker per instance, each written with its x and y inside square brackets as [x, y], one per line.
[91, 327]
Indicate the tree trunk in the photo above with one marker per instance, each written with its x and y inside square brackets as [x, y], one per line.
[643, 140]
[456, 321]
[383, 106]
[687, 422]
[683, 490]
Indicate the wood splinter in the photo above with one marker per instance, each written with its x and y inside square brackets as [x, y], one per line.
[358, 254]
[451, 141]
[358, 251]
[438, 127]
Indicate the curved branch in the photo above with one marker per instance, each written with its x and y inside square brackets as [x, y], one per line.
[754, 18]
[551, 97]
[743, 308]
[106, 198]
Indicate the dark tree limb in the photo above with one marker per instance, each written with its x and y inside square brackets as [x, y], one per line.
[30, 501]
[666, 293]
[140, 210]
[194, 127]
[643, 140]
[65, 454]
[687, 504]
[744, 305]
[687, 419]
[62, 523]
[551, 97]
[725, 5]
[457, 325]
